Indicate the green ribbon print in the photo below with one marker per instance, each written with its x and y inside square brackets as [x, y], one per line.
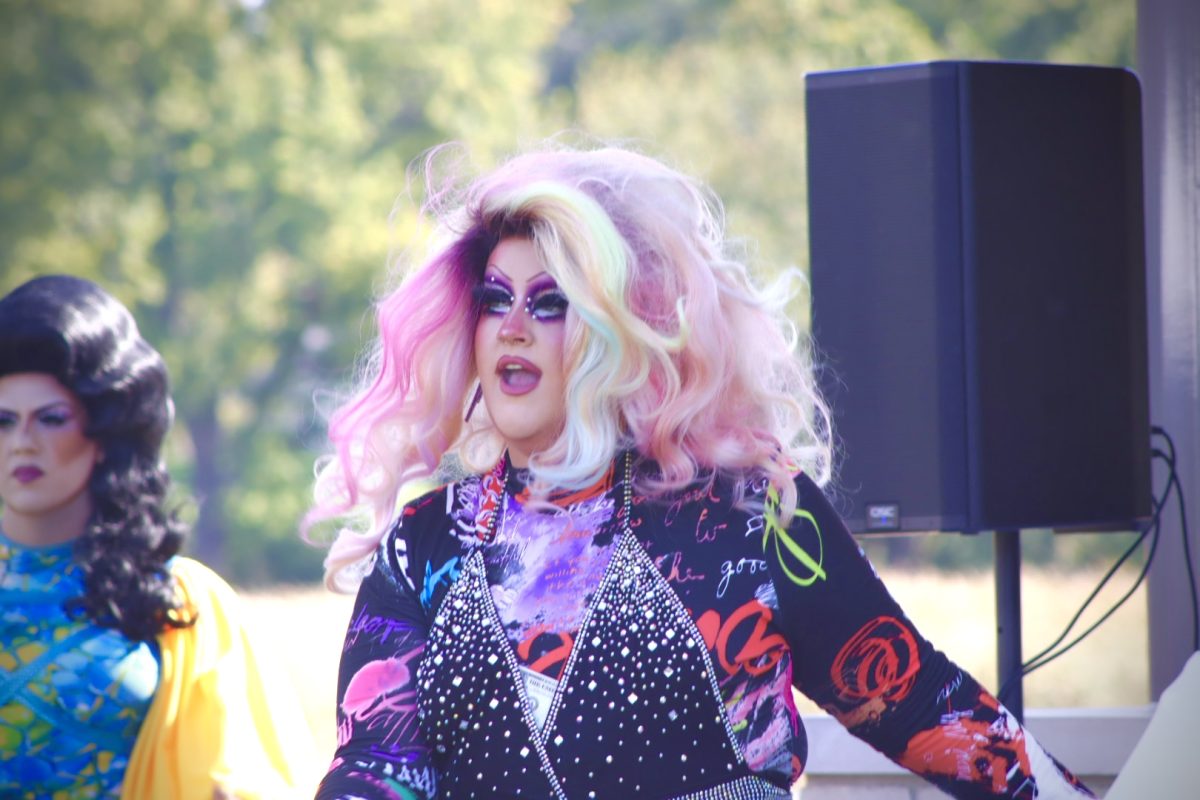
[790, 549]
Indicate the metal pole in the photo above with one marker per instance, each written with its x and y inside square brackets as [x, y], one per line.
[1008, 621]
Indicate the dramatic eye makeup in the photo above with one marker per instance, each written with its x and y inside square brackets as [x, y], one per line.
[545, 302]
[51, 417]
[54, 417]
[493, 299]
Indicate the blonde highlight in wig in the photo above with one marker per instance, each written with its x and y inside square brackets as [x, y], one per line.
[670, 348]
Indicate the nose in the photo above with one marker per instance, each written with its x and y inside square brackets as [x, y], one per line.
[515, 327]
[23, 438]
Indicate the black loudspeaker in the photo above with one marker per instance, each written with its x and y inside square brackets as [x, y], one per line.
[978, 292]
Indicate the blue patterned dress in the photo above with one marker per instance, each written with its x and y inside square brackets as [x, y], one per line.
[72, 695]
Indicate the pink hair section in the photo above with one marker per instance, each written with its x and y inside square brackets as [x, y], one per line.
[672, 347]
[397, 426]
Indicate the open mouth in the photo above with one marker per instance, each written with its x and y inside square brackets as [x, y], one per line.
[517, 376]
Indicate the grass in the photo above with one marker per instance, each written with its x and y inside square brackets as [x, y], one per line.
[303, 628]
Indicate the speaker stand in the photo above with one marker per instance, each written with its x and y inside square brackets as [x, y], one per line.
[1008, 620]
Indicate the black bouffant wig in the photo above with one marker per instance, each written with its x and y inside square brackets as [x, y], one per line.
[75, 331]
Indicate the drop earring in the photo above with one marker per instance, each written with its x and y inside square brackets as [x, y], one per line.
[474, 402]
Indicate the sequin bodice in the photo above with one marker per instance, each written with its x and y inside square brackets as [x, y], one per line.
[662, 669]
[638, 673]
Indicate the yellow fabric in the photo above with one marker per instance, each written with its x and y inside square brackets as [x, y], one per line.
[220, 720]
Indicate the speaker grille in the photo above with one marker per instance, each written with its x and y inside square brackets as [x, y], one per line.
[978, 293]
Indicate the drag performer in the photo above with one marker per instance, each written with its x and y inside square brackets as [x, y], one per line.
[627, 560]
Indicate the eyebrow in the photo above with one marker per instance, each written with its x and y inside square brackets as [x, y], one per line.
[51, 406]
[504, 274]
[536, 286]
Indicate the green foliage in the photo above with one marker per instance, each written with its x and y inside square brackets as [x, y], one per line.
[271, 505]
[730, 106]
[1063, 31]
[227, 169]
[623, 25]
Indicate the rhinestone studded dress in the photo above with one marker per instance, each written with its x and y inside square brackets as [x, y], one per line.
[622, 647]
[637, 710]
[638, 674]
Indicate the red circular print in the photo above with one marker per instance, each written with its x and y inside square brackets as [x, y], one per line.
[880, 660]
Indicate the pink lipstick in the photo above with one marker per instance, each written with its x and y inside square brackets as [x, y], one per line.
[27, 474]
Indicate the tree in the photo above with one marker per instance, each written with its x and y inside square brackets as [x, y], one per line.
[1064, 31]
[730, 107]
[226, 169]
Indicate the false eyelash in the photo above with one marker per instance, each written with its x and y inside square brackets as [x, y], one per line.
[550, 304]
[546, 305]
[486, 294]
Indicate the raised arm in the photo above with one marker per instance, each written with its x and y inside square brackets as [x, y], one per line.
[859, 657]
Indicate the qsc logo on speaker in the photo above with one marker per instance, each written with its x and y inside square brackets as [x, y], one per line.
[883, 516]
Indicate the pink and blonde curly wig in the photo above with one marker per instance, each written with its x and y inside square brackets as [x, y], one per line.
[670, 348]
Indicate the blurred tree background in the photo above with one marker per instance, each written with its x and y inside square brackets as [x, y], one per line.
[229, 169]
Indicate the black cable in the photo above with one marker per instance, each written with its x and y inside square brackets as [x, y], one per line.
[1191, 573]
[1103, 581]
[1155, 526]
[1159, 504]
[1045, 656]
[1030, 666]
[1049, 654]
[1187, 549]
